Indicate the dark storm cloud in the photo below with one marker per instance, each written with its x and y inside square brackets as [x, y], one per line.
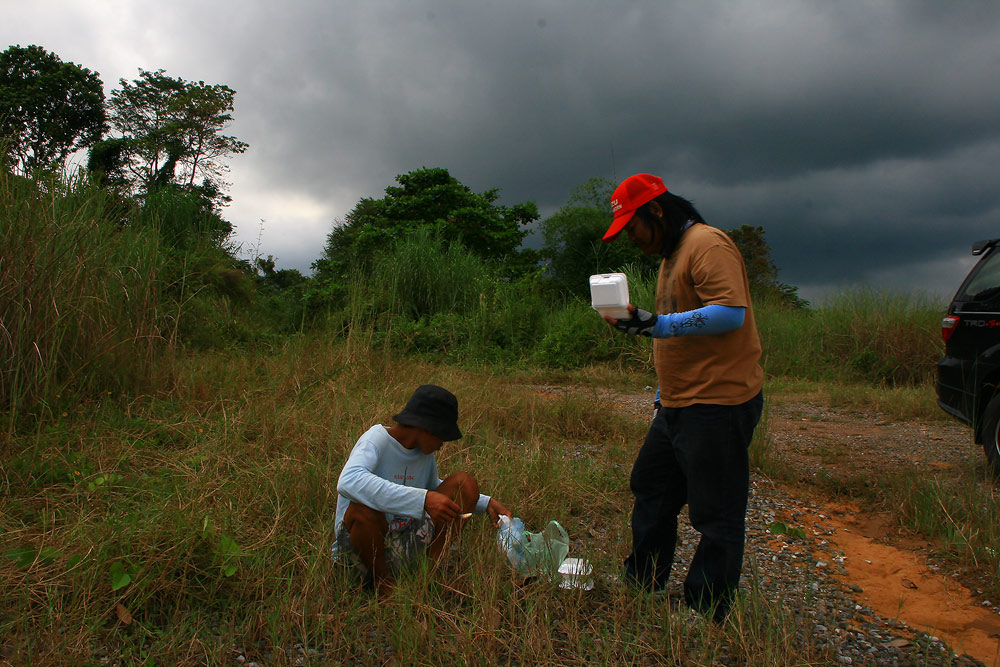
[861, 135]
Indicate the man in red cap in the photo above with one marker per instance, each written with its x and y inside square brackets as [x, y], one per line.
[706, 352]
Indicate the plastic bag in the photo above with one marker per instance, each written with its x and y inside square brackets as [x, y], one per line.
[533, 553]
[509, 538]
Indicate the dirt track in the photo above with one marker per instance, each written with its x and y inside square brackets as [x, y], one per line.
[897, 574]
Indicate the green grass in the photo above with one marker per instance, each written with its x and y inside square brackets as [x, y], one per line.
[859, 336]
[203, 514]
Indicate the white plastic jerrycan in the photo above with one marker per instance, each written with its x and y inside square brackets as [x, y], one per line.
[609, 294]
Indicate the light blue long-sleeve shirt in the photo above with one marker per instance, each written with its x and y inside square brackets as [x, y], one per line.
[382, 474]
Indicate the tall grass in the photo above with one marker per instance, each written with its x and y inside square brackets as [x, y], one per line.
[425, 275]
[862, 336]
[79, 306]
[429, 296]
[196, 523]
[857, 337]
[957, 512]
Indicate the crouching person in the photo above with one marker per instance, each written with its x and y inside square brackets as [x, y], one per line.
[391, 505]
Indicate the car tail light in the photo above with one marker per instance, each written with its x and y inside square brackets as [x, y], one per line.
[948, 325]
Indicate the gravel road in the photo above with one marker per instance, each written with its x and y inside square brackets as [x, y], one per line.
[809, 570]
[814, 569]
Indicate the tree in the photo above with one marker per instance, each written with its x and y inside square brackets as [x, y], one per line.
[430, 198]
[573, 240]
[106, 161]
[173, 130]
[48, 108]
[594, 193]
[761, 269]
[762, 272]
[574, 248]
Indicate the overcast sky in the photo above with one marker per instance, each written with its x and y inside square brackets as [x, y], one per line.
[863, 135]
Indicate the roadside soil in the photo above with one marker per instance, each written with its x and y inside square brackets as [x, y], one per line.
[825, 456]
[895, 572]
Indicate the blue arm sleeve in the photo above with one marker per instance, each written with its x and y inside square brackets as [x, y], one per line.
[704, 321]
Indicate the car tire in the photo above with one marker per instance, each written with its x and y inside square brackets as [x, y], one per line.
[990, 431]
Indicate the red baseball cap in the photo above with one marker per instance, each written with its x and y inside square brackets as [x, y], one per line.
[630, 195]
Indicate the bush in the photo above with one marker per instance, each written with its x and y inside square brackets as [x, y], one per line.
[576, 336]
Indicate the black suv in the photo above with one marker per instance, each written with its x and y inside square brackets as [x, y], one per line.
[968, 385]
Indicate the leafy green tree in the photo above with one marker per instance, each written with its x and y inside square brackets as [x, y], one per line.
[172, 130]
[429, 198]
[594, 193]
[106, 162]
[762, 272]
[278, 279]
[573, 245]
[574, 250]
[761, 269]
[48, 108]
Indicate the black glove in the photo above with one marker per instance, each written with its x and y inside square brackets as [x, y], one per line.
[656, 408]
[641, 323]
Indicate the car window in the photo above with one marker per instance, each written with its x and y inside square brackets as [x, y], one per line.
[984, 284]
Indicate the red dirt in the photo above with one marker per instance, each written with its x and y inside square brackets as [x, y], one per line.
[893, 570]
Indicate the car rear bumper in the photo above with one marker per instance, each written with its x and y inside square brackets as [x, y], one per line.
[951, 383]
[954, 412]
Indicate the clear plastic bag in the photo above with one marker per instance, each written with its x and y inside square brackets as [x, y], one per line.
[532, 554]
[510, 534]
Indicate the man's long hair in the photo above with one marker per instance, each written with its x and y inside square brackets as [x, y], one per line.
[676, 212]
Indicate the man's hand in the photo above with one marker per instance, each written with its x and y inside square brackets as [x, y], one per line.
[495, 509]
[441, 508]
[640, 323]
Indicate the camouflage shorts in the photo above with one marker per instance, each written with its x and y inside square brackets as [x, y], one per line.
[405, 542]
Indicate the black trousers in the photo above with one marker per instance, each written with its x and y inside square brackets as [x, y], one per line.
[696, 456]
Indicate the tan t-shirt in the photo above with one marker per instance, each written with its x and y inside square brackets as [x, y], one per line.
[706, 269]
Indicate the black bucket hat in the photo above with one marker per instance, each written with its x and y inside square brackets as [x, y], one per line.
[433, 408]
